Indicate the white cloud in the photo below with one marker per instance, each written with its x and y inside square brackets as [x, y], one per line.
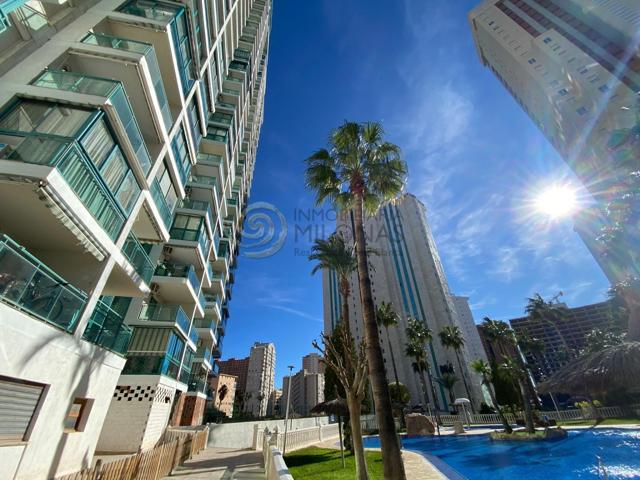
[507, 265]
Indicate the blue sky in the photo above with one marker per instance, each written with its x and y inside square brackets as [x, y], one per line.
[475, 159]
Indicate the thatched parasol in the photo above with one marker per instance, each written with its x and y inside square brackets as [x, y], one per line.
[614, 368]
[338, 406]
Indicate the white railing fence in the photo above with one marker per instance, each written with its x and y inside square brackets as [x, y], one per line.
[274, 466]
[369, 422]
[301, 438]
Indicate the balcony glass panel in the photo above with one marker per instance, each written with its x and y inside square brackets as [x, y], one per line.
[114, 91]
[199, 205]
[152, 63]
[181, 154]
[138, 257]
[187, 227]
[107, 329]
[184, 271]
[157, 364]
[157, 312]
[161, 204]
[201, 300]
[203, 179]
[30, 285]
[194, 123]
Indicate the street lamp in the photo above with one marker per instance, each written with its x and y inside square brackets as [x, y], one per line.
[286, 415]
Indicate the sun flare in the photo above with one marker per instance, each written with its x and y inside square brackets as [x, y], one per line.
[556, 201]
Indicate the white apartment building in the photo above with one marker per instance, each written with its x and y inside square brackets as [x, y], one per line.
[405, 270]
[260, 378]
[128, 134]
[574, 67]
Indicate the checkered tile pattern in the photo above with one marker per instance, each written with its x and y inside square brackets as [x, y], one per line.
[140, 393]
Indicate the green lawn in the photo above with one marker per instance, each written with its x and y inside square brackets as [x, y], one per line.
[606, 421]
[324, 464]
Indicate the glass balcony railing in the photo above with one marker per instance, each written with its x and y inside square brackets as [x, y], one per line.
[201, 300]
[111, 89]
[242, 54]
[199, 205]
[107, 329]
[185, 375]
[203, 179]
[138, 257]
[29, 285]
[197, 385]
[210, 158]
[156, 364]
[174, 15]
[165, 212]
[193, 335]
[232, 201]
[74, 166]
[149, 53]
[209, 271]
[184, 271]
[156, 312]
[205, 323]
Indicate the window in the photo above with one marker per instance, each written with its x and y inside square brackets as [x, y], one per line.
[19, 402]
[562, 92]
[547, 40]
[604, 88]
[532, 61]
[78, 414]
[581, 111]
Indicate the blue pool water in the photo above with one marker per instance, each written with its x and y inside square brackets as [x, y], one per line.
[476, 457]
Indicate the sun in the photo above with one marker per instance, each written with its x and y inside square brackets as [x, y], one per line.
[556, 201]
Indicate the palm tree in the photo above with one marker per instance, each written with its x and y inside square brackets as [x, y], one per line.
[222, 393]
[347, 364]
[484, 369]
[448, 381]
[451, 337]
[514, 366]
[420, 338]
[416, 352]
[549, 313]
[335, 255]
[358, 173]
[515, 371]
[387, 317]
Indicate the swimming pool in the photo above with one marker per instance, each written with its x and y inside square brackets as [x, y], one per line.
[476, 457]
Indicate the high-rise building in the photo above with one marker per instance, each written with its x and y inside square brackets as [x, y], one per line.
[275, 403]
[313, 363]
[569, 333]
[405, 269]
[307, 390]
[260, 378]
[239, 368]
[128, 136]
[223, 392]
[574, 67]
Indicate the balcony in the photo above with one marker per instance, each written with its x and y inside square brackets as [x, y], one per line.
[203, 207]
[216, 352]
[168, 19]
[177, 284]
[217, 284]
[29, 285]
[107, 329]
[190, 242]
[112, 94]
[65, 145]
[205, 188]
[138, 88]
[212, 306]
[221, 263]
[138, 258]
[163, 315]
[203, 355]
[152, 364]
[206, 328]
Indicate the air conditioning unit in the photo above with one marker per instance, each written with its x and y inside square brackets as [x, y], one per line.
[155, 288]
[167, 250]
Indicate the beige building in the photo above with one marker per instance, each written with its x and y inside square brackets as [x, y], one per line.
[312, 363]
[275, 404]
[574, 67]
[223, 386]
[260, 378]
[408, 273]
[128, 137]
[307, 390]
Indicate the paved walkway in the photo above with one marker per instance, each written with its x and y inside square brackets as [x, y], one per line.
[222, 464]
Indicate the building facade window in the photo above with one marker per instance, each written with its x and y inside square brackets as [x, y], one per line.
[19, 404]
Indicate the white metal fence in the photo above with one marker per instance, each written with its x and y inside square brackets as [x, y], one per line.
[301, 438]
[369, 421]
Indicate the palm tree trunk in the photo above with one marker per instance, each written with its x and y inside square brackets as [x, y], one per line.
[526, 404]
[355, 405]
[436, 404]
[492, 394]
[464, 380]
[344, 292]
[389, 442]
[395, 370]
